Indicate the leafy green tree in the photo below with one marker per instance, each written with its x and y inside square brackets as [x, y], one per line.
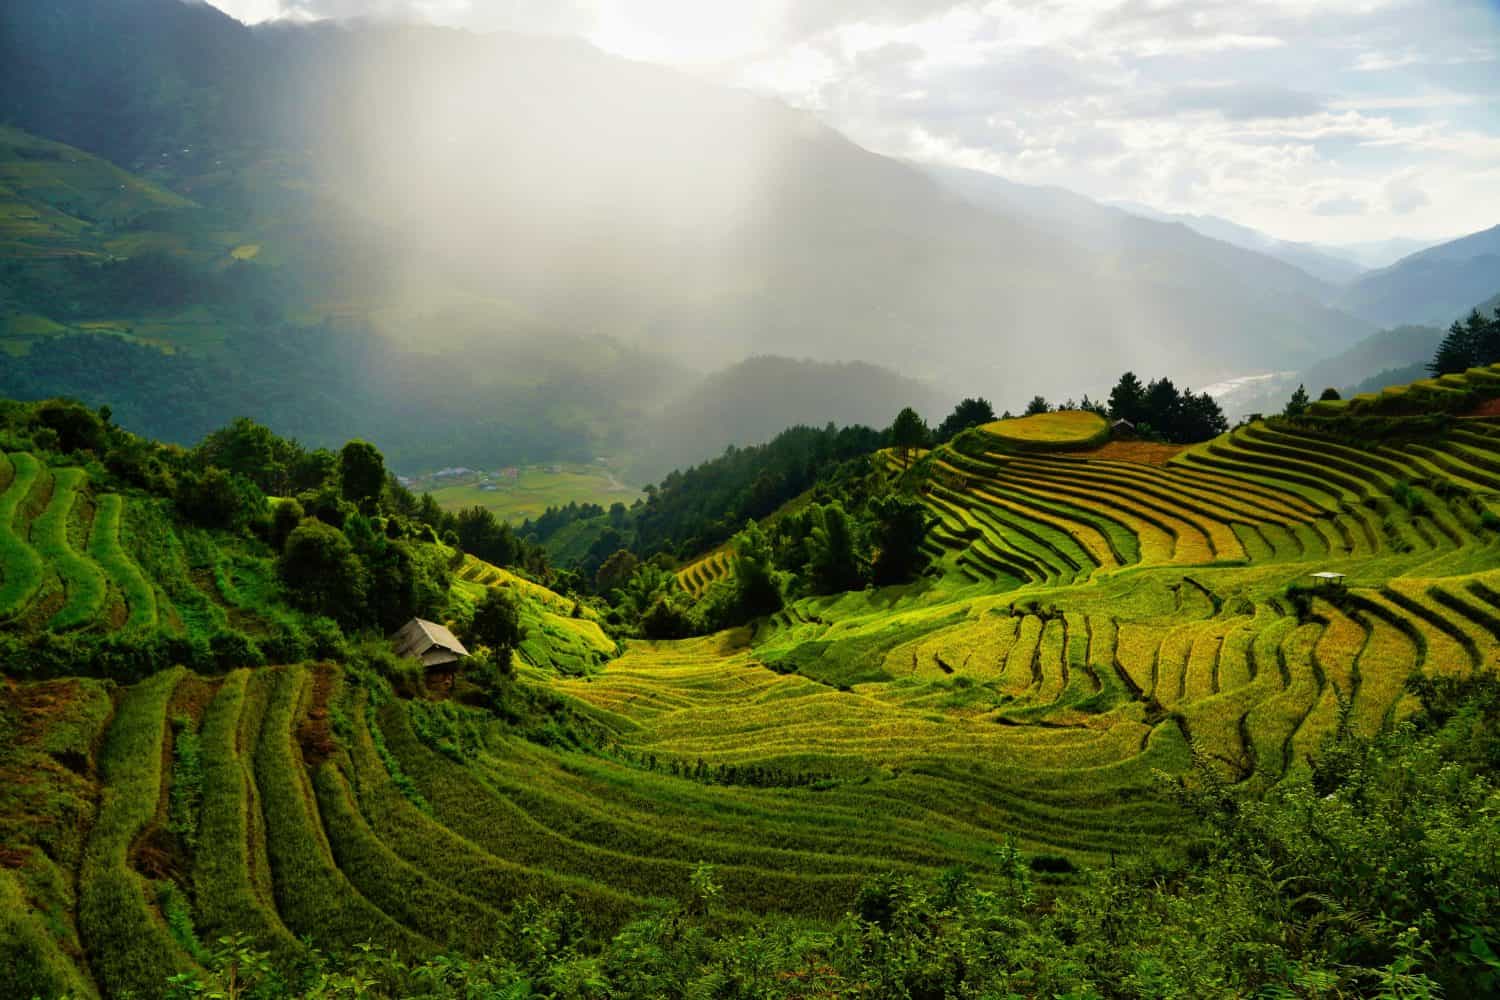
[970, 412]
[482, 534]
[249, 449]
[215, 498]
[1329, 395]
[615, 571]
[78, 428]
[908, 432]
[757, 590]
[323, 574]
[1037, 405]
[1298, 404]
[284, 520]
[497, 623]
[834, 563]
[668, 618]
[361, 473]
[1127, 400]
[901, 526]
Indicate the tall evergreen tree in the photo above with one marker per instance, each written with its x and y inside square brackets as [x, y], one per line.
[970, 412]
[1298, 404]
[1037, 405]
[1127, 399]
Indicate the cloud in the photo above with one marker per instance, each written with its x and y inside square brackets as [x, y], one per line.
[1403, 196]
[1234, 101]
[1340, 205]
[1308, 118]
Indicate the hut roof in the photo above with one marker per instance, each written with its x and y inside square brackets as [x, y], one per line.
[427, 641]
[1327, 575]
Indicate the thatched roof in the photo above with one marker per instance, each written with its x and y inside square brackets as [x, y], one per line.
[429, 642]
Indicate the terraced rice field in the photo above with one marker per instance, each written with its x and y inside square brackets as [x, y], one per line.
[1093, 621]
[62, 563]
[697, 575]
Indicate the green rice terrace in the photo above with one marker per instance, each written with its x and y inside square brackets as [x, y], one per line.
[1092, 624]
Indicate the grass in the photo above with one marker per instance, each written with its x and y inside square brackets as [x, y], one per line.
[534, 490]
[1062, 429]
[106, 550]
[20, 566]
[313, 897]
[130, 950]
[83, 581]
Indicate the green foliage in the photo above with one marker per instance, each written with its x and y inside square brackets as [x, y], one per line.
[970, 412]
[77, 427]
[615, 571]
[215, 498]
[361, 473]
[907, 432]
[901, 526]
[1158, 409]
[129, 950]
[757, 589]
[1471, 343]
[20, 563]
[186, 796]
[322, 573]
[834, 562]
[105, 548]
[1297, 405]
[497, 624]
[83, 580]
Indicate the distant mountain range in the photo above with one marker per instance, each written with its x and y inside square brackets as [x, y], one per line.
[488, 207]
[1433, 286]
[1327, 263]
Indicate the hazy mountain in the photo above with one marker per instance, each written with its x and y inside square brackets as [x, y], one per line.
[1374, 254]
[1320, 262]
[391, 178]
[1432, 286]
[1169, 247]
[753, 400]
[1400, 354]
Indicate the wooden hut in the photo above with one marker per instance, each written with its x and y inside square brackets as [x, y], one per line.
[435, 646]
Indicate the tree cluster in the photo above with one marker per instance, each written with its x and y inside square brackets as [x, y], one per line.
[1471, 343]
[1159, 410]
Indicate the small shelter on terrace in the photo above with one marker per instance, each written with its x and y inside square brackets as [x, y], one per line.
[1329, 578]
[434, 645]
[1122, 428]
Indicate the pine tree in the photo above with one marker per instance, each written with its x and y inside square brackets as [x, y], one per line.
[1127, 399]
[1297, 405]
[1458, 351]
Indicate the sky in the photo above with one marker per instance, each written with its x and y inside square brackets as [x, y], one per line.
[1335, 121]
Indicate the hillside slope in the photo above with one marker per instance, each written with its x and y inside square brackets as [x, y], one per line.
[1095, 617]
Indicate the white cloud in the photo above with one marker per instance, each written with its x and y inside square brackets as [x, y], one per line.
[1311, 119]
[1403, 196]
